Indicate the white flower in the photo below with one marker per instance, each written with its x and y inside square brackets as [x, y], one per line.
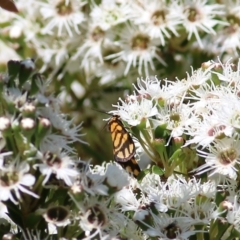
[91, 48]
[228, 111]
[230, 73]
[194, 80]
[138, 49]
[134, 111]
[63, 16]
[129, 230]
[15, 96]
[200, 211]
[222, 158]
[91, 180]
[26, 26]
[176, 116]
[207, 189]
[228, 39]
[164, 90]
[153, 87]
[212, 126]
[174, 192]
[198, 77]
[158, 17]
[127, 199]
[14, 179]
[207, 95]
[199, 15]
[28, 6]
[70, 133]
[88, 223]
[54, 142]
[100, 216]
[109, 72]
[53, 52]
[62, 166]
[153, 189]
[176, 227]
[109, 13]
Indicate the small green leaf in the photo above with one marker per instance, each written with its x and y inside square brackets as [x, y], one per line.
[157, 170]
[34, 87]
[14, 213]
[13, 70]
[176, 155]
[59, 196]
[160, 131]
[142, 174]
[27, 68]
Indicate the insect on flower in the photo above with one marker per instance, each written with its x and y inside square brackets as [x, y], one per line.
[123, 146]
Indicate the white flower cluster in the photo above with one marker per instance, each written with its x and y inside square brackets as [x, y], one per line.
[179, 125]
[41, 178]
[203, 109]
[171, 209]
[113, 38]
[188, 127]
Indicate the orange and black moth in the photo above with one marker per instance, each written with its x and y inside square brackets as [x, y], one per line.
[123, 146]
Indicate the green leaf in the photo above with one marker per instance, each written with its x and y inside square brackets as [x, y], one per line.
[176, 155]
[142, 174]
[74, 231]
[32, 220]
[14, 213]
[59, 195]
[157, 170]
[34, 87]
[13, 70]
[160, 131]
[27, 68]
[234, 234]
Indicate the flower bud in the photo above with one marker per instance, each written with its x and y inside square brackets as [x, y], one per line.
[27, 126]
[5, 125]
[29, 110]
[177, 142]
[43, 127]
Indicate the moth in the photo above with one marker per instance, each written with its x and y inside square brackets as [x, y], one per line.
[123, 146]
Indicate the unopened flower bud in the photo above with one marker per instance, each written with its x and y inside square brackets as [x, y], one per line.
[5, 124]
[43, 127]
[27, 126]
[29, 110]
